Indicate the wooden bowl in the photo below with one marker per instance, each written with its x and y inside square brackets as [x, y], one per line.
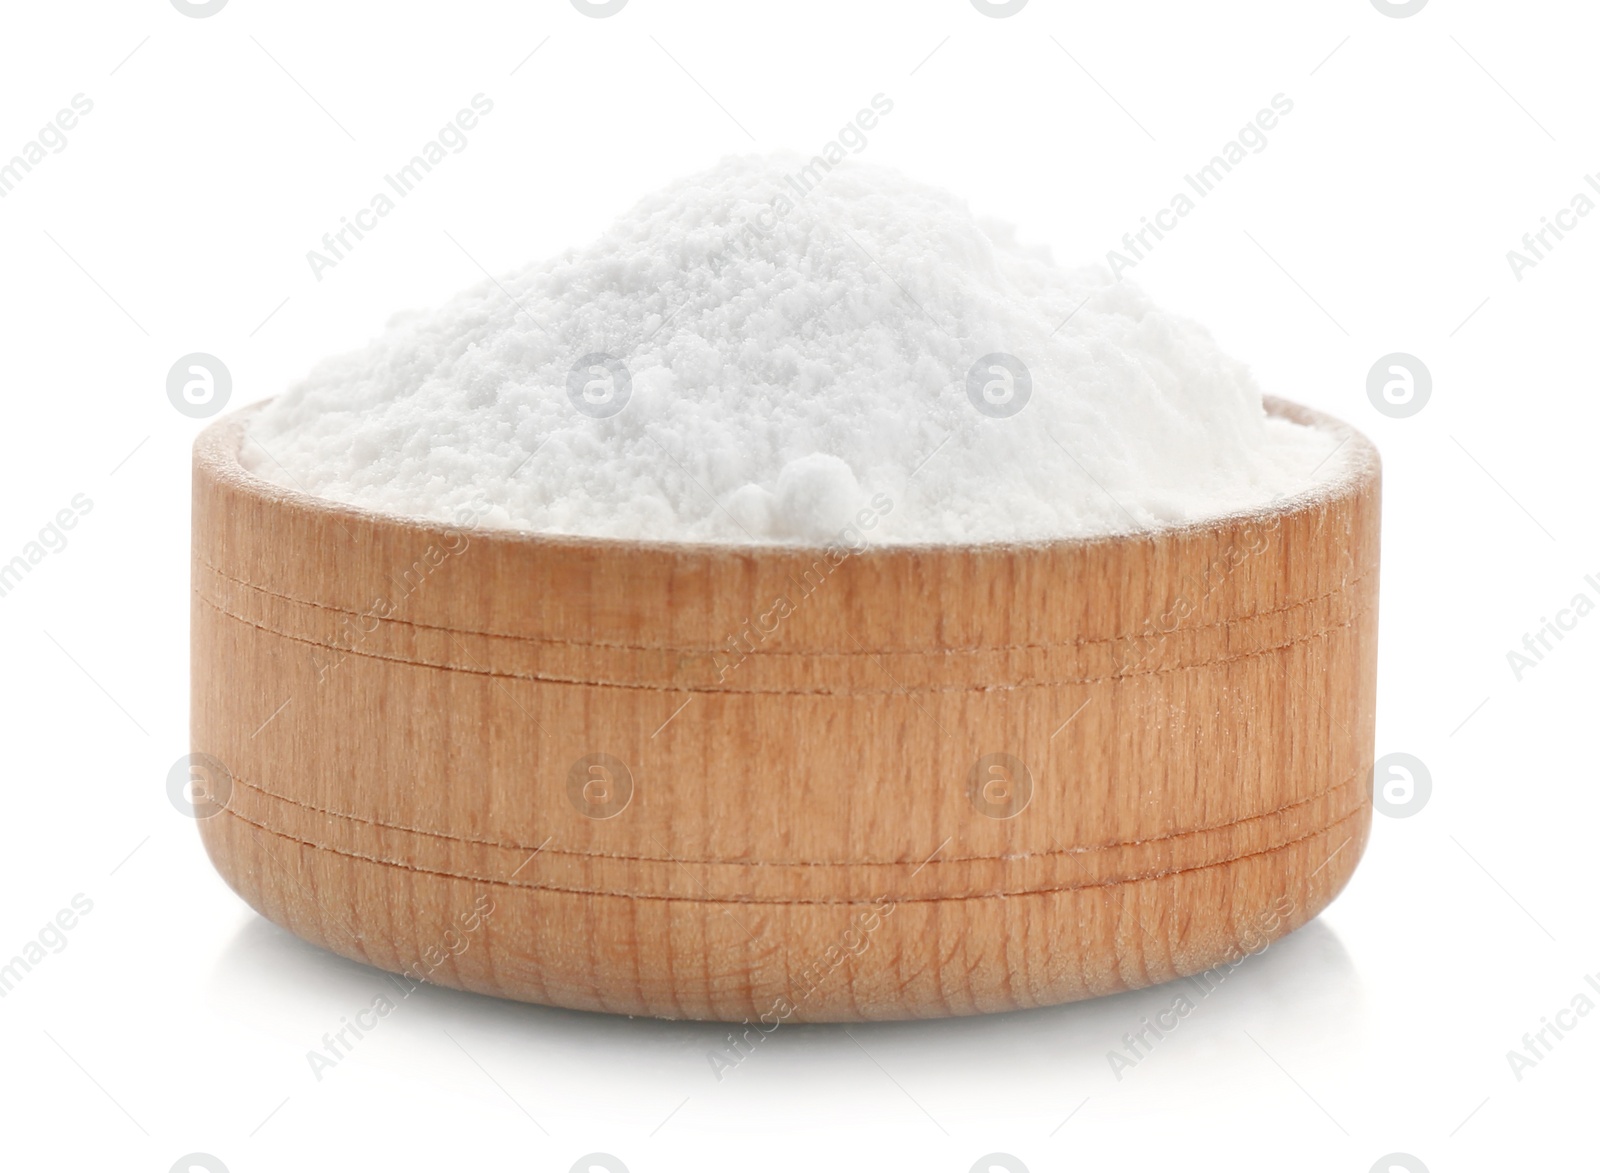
[783, 784]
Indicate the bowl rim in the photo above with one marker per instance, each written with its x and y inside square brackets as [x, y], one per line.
[217, 450]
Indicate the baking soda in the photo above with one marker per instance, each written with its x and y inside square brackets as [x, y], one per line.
[744, 358]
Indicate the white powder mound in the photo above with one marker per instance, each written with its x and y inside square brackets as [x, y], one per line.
[740, 359]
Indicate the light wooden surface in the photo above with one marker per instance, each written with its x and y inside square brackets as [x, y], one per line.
[408, 716]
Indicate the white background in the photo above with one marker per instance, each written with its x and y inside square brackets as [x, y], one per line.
[1378, 219]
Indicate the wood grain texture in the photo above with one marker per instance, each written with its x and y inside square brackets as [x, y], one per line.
[897, 783]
